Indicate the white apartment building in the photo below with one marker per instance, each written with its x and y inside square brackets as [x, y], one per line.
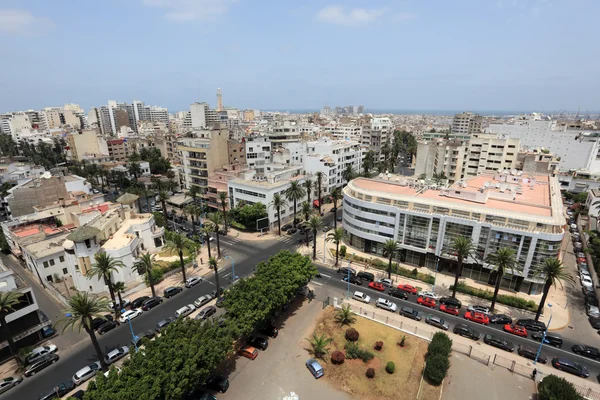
[258, 153]
[285, 131]
[440, 157]
[466, 124]
[343, 131]
[375, 134]
[332, 157]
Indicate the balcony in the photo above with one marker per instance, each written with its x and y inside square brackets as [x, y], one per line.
[158, 232]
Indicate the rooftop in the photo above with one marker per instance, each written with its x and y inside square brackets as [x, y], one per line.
[124, 235]
[47, 247]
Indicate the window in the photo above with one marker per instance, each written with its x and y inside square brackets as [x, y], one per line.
[52, 262]
[46, 264]
[65, 271]
[87, 243]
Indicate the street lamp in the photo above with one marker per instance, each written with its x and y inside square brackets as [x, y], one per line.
[543, 336]
[233, 277]
[133, 336]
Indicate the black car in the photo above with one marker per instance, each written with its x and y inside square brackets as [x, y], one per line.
[401, 294]
[569, 366]
[163, 324]
[586, 351]
[410, 313]
[106, 327]
[291, 231]
[353, 280]
[499, 343]
[531, 353]
[553, 339]
[595, 322]
[501, 319]
[97, 322]
[40, 364]
[172, 291]
[218, 383]
[531, 325]
[146, 334]
[269, 330]
[259, 342]
[151, 303]
[137, 303]
[58, 391]
[466, 331]
[344, 270]
[78, 394]
[214, 292]
[286, 227]
[366, 276]
[591, 300]
[450, 301]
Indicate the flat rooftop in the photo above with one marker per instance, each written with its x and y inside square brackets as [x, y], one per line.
[48, 247]
[123, 237]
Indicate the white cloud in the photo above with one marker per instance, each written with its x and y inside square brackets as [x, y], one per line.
[353, 17]
[191, 10]
[20, 21]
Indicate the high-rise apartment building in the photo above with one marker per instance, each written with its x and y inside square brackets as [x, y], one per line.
[375, 133]
[466, 124]
[219, 100]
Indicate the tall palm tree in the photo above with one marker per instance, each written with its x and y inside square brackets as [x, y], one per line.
[120, 287]
[308, 186]
[193, 192]
[163, 196]
[158, 183]
[462, 247]
[348, 174]
[216, 219]
[294, 193]
[336, 237]
[134, 169]
[206, 230]
[335, 195]
[314, 224]
[503, 260]
[103, 268]
[145, 265]
[390, 249]
[344, 315]
[368, 162]
[223, 199]
[81, 309]
[319, 186]
[554, 272]
[212, 263]
[319, 345]
[306, 209]
[8, 301]
[194, 212]
[278, 203]
[177, 243]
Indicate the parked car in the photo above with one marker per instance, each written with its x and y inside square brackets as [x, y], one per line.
[40, 364]
[398, 293]
[426, 301]
[202, 300]
[47, 331]
[214, 293]
[206, 312]
[258, 342]
[220, 302]
[360, 296]
[386, 304]
[326, 228]
[344, 270]
[185, 311]
[58, 391]
[353, 280]
[386, 282]
[285, 227]
[151, 303]
[564, 364]
[192, 281]
[426, 293]
[587, 281]
[449, 309]
[149, 334]
[502, 319]
[217, 383]
[172, 291]
[39, 352]
[162, 324]
[291, 231]
[130, 314]
[479, 308]
[86, 373]
[515, 330]
[408, 288]
[10, 382]
[531, 325]
[249, 352]
[269, 330]
[315, 368]
[366, 276]
[499, 343]
[450, 301]
[410, 313]
[116, 354]
[437, 322]
[531, 353]
[595, 322]
[466, 331]
[478, 317]
[553, 339]
[137, 303]
[592, 311]
[377, 286]
[586, 351]
[120, 305]
[107, 327]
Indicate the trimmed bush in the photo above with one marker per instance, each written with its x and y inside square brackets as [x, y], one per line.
[353, 351]
[440, 344]
[436, 368]
[378, 346]
[343, 251]
[352, 334]
[390, 367]
[508, 300]
[337, 357]
[553, 387]
[370, 373]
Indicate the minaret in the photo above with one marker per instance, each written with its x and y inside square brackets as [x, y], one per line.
[219, 100]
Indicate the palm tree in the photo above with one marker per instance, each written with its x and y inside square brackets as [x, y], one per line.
[278, 203]
[119, 288]
[216, 219]
[193, 192]
[223, 200]
[177, 243]
[81, 309]
[336, 195]
[462, 247]
[368, 162]
[212, 263]
[8, 301]
[194, 212]
[163, 196]
[206, 231]
[344, 315]
[336, 237]
[319, 345]
[390, 249]
[306, 209]
[319, 183]
[134, 169]
[503, 259]
[145, 265]
[438, 178]
[294, 193]
[554, 272]
[314, 224]
[348, 173]
[308, 186]
[103, 268]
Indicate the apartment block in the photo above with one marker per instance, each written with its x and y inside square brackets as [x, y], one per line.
[375, 133]
[118, 149]
[466, 124]
[236, 151]
[218, 183]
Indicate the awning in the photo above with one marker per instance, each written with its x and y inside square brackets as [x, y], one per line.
[316, 203]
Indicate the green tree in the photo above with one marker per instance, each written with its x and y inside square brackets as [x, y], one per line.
[462, 247]
[308, 186]
[193, 192]
[553, 387]
[145, 265]
[206, 230]
[177, 243]
[216, 219]
[306, 210]
[553, 271]
[368, 162]
[319, 186]
[390, 249]
[134, 170]
[194, 212]
[319, 345]
[344, 315]
[163, 196]
[278, 203]
[81, 309]
[438, 178]
[8, 301]
[120, 287]
[314, 224]
[348, 173]
[223, 198]
[503, 260]
[294, 193]
[335, 195]
[103, 268]
[4, 246]
[336, 237]
[212, 263]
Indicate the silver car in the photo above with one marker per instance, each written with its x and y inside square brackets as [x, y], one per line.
[386, 304]
[9, 383]
[86, 373]
[482, 309]
[202, 300]
[194, 280]
[39, 352]
[116, 354]
[437, 322]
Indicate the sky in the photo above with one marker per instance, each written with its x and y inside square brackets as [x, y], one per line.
[526, 55]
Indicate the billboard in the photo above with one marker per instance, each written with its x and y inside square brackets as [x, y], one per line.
[262, 223]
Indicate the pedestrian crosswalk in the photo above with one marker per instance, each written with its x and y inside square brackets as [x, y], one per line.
[288, 239]
[228, 240]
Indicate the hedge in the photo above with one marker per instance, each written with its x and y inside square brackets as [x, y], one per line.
[553, 387]
[353, 351]
[508, 300]
[436, 368]
[239, 226]
[440, 344]
[390, 367]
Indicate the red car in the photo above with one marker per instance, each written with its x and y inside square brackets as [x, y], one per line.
[426, 301]
[377, 286]
[516, 330]
[581, 260]
[408, 288]
[478, 317]
[447, 308]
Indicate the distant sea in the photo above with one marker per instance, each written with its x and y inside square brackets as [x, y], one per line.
[416, 112]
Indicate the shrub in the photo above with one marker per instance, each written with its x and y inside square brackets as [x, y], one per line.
[509, 300]
[414, 272]
[390, 367]
[553, 387]
[440, 344]
[353, 351]
[352, 334]
[436, 368]
[337, 357]
[378, 346]
[343, 251]
[370, 373]
[402, 341]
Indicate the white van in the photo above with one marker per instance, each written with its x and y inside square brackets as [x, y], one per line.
[185, 311]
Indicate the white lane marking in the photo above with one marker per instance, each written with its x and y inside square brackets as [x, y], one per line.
[316, 283]
[326, 276]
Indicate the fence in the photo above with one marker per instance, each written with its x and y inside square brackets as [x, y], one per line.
[588, 393]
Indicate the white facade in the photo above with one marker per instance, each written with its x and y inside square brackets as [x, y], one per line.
[375, 134]
[258, 153]
[198, 115]
[332, 157]
[47, 258]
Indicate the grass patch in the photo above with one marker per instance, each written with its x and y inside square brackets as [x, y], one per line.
[351, 375]
[167, 253]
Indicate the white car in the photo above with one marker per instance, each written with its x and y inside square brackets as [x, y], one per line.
[592, 311]
[202, 300]
[194, 280]
[86, 373]
[108, 372]
[425, 293]
[584, 274]
[482, 309]
[360, 296]
[587, 282]
[116, 354]
[185, 311]
[386, 305]
[130, 314]
[386, 282]
[40, 352]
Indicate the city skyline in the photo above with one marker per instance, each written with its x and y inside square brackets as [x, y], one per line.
[503, 56]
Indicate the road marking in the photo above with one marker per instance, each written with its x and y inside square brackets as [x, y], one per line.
[316, 283]
[326, 276]
[227, 275]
